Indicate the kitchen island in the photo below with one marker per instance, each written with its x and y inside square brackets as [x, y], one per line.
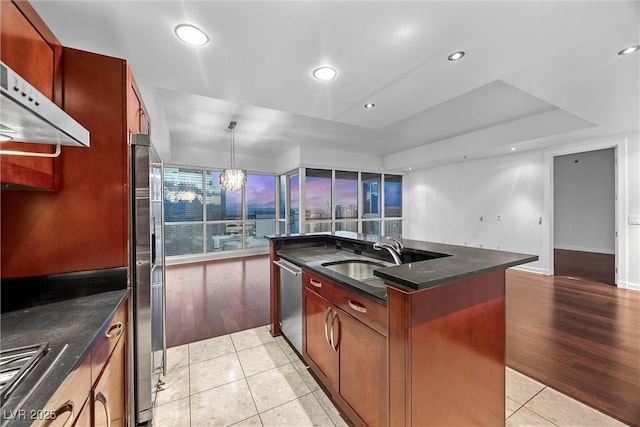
[419, 343]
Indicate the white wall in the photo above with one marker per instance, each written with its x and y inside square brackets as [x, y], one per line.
[584, 201]
[445, 204]
[632, 232]
[319, 157]
[212, 159]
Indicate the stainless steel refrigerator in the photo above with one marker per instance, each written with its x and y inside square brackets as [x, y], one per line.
[148, 307]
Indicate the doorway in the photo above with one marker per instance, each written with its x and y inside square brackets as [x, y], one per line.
[584, 216]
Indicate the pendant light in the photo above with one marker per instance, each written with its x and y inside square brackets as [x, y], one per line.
[233, 179]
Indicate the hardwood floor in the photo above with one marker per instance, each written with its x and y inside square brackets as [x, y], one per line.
[593, 266]
[581, 338]
[210, 299]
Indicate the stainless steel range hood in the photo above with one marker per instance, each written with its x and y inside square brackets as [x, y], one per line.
[26, 115]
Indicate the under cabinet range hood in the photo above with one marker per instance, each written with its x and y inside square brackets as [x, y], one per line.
[26, 115]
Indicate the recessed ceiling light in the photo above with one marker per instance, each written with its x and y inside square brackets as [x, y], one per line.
[456, 55]
[369, 105]
[513, 148]
[325, 73]
[629, 50]
[192, 35]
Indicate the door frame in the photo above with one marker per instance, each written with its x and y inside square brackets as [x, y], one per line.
[619, 144]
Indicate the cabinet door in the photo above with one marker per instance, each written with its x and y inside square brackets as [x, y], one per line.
[28, 53]
[137, 121]
[109, 393]
[363, 375]
[318, 314]
[84, 417]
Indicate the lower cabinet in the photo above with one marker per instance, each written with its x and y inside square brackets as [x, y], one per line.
[95, 394]
[109, 392]
[84, 417]
[346, 354]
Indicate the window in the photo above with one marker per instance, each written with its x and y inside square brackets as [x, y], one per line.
[370, 195]
[317, 187]
[203, 218]
[392, 196]
[283, 197]
[294, 203]
[228, 220]
[182, 195]
[393, 228]
[371, 227]
[222, 204]
[346, 195]
[261, 210]
[317, 208]
[183, 211]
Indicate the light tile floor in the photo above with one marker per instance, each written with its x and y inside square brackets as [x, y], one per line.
[250, 378]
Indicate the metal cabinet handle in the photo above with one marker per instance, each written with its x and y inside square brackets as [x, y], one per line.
[326, 325]
[357, 306]
[103, 400]
[290, 270]
[66, 407]
[118, 326]
[316, 284]
[334, 343]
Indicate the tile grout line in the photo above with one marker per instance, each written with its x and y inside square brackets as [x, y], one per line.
[529, 409]
[189, 370]
[244, 377]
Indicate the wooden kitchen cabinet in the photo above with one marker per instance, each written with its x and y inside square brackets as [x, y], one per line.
[31, 50]
[85, 225]
[108, 372]
[68, 401]
[346, 354]
[90, 397]
[109, 393]
[363, 356]
[318, 314]
[137, 119]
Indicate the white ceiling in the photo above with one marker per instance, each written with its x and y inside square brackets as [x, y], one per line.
[548, 67]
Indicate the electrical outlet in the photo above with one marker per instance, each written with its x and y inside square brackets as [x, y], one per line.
[499, 218]
[634, 220]
[498, 246]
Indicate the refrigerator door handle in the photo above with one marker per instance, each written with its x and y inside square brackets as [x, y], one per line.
[153, 248]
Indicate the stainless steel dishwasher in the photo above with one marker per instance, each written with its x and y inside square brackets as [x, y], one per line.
[290, 302]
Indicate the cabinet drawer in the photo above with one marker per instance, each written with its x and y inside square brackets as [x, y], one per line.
[362, 308]
[68, 400]
[107, 339]
[321, 286]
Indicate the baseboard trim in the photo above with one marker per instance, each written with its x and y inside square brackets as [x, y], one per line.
[536, 270]
[592, 250]
[629, 285]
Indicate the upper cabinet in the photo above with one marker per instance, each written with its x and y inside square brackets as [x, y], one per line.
[32, 51]
[85, 224]
[136, 113]
[27, 47]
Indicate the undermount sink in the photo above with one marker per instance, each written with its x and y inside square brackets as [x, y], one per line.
[358, 269]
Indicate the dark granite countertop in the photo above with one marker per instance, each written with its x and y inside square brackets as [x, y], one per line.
[69, 327]
[450, 262]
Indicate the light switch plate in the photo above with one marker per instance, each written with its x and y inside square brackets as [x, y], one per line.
[634, 220]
